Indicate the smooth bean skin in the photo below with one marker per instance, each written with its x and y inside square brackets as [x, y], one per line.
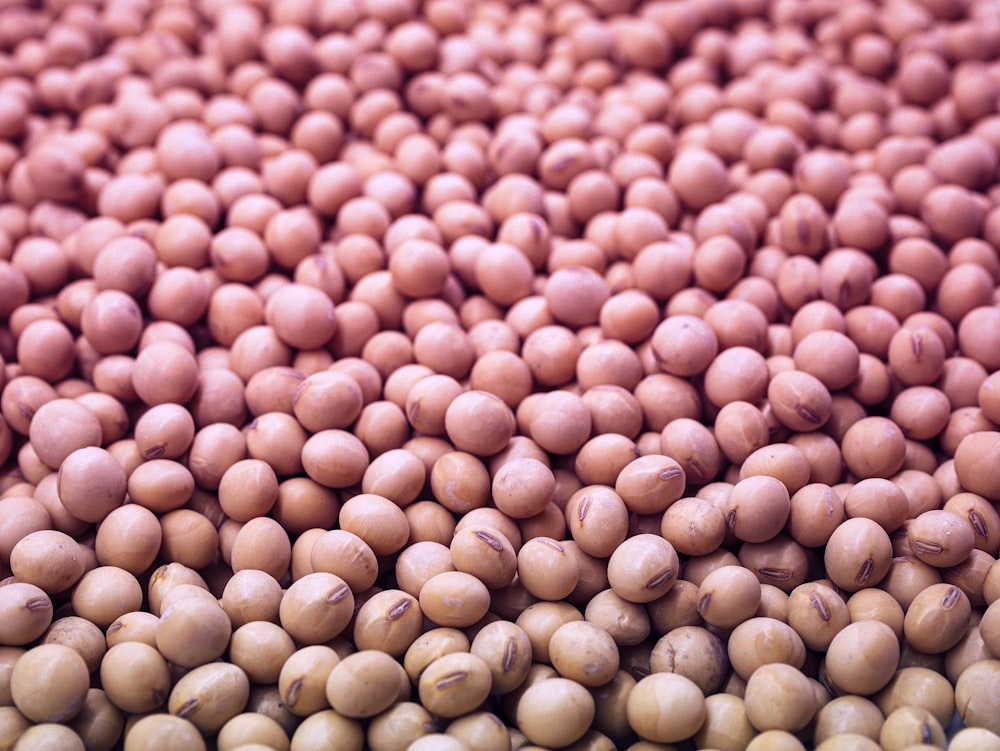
[666, 708]
[624, 369]
[779, 697]
[863, 656]
[49, 683]
[362, 684]
[573, 702]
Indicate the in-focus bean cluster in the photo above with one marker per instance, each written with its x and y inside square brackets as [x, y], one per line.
[415, 375]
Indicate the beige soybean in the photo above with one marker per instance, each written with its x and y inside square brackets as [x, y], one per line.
[972, 458]
[61, 426]
[862, 657]
[650, 484]
[817, 613]
[346, 555]
[209, 696]
[460, 481]
[399, 726]
[419, 562]
[100, 723]
[91, 483]
[334, 458]
[106, 593]
[968, 738]
[8, 657]
[725, 721]
[49, 683]
[193, 631]
[483, 730]
[773, 602]
[757, 508]
[610, 700]
[165, 372]
[555, 697]
[251, 595]
[940, 538]
[491, 517]
[858, 554]
[135, 677]
[919, 687]
[879, 500]
[878, 605]
[761, 641]
[848, 714]
[781, 562]
[973, 695]
[560, 422]
[327, 400]
[188, 537]
[584, 652]
[597, 519]
[799, 400]
[522, 487]
[250, 729]
[302, 679]
[874, 447]
[785, 462]
[163, 731]
[395, 474]
[684, 345]
[815, 511]
[779, 697]
[304, 504]
[479, 423]
[319, 730]
[363, 684]
[376, 520]
[454, 599]
[316, 608]
[727, 596]
[693, 526]
[248, 489]
[51, 560]
[430, 645]
[160, 485]
[666, 708]
[80, 635]
[260, 648]
[909, 726]
[693, 652]
[164, 431]
[979, 514]
[736, 374]
[50, 735]
[937, 618]
[546, 569]
[643, 568]
[454, 684]
[261, 543]
[740, 429]
[506, 650]
[692, 445]
[390, 620]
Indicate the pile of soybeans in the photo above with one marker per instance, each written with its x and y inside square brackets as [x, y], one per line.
[453, 375]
